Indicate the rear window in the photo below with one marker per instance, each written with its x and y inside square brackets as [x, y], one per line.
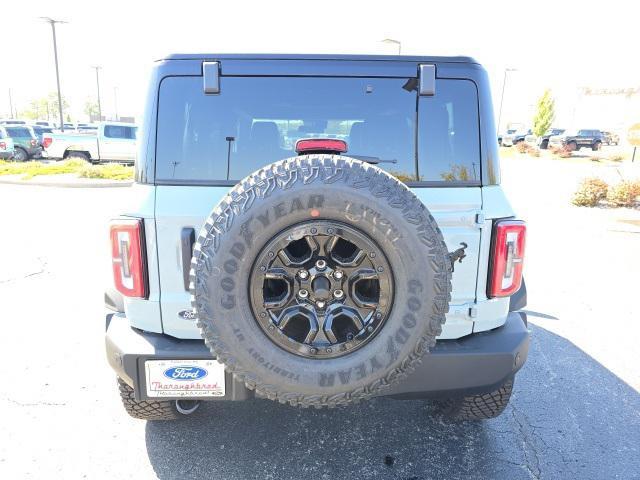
[117, 131]
[18, 132]
[257, 120]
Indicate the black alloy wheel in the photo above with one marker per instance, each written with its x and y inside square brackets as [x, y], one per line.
[321, 289]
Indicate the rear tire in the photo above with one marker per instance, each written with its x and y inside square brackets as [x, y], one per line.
[20, 155]
[149, 410]
[544, 145]
[596, 146]
[78, 156]
[478, 407]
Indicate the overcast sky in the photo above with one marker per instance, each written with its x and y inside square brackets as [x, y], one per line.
[557, 44]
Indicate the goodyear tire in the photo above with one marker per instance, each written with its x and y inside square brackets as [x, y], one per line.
[317, 195]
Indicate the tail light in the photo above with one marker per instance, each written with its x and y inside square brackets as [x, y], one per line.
[3, 146]
[128, 258]
[33, 142]
[311, 145]
[47, 141]
[507, 257]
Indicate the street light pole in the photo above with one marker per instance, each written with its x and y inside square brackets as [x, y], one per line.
[53, 22]
[115, 101]
[396, 42]
[97, 67]
[504, 82]
[10, 105]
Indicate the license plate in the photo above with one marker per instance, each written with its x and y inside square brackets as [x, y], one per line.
[184, 378]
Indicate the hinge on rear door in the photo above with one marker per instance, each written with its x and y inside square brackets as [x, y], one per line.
[480, 219]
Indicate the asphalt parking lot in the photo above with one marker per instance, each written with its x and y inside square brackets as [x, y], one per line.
[575, 412]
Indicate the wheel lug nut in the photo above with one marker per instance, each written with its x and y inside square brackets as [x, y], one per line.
[338, 293]
[263, 268]
[329, 350]
[271, 254]
[314, 231]
[330, 231]
[263, 314]
[321, 264]
[303, 274]
[338, 274]
[314, 350]
[303, 293]
[320, 304]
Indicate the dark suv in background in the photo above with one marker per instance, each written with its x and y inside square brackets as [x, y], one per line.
[576, 139]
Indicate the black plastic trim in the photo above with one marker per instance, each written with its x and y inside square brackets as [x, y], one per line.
[187, 241]
[474, 364]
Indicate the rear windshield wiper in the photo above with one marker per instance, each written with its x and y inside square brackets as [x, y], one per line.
[373, 160]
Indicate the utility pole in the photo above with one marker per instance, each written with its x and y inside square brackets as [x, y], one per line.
[98, 67]
[53, 22]
[10, 105]
[504, 82]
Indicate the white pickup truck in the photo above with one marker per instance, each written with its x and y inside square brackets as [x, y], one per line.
[112, 142]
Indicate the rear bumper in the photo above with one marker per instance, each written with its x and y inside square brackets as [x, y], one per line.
[475, 364]
[6, 155]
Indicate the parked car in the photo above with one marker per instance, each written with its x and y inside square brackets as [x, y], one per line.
[514, 138]
[25, 142]
[40, 132]
[6, 145]
[330, 274]
[45, 123]
[543, 141]
[112, 141]
[12, 121]
[576, 139]
[610, 138]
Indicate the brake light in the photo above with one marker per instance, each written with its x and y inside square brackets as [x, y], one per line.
[3, 146]
[321, 145]
[46, 141]
[33, 142]
[127, 256]
[507, 258]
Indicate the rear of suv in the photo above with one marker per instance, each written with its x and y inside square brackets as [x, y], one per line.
[317, 230]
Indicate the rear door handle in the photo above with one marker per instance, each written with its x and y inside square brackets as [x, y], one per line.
[187, 240]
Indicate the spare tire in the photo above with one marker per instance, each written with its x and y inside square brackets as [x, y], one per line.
[320, 280]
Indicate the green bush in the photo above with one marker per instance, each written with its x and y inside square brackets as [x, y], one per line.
[624, 194]
[111, 171]
[590, 192]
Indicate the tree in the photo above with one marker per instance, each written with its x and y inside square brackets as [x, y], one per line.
[545, 113]
[44, 107]
[91, 108]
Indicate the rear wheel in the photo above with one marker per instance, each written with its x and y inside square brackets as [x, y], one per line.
[154, 409]
[20, 155]
[478, 407]
[544, 145]
[596, 146]
[347, 276]
[78, 156]
[572, 146]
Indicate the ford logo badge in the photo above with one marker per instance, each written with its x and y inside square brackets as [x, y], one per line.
[185, 373]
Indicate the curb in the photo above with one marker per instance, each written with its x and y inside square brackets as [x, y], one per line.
[94, 184]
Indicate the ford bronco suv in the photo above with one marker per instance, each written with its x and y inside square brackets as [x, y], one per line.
[317, 230]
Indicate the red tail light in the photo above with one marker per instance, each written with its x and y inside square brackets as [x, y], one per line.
[46, 141]
[127, 256]
[507, 257]
[321, 145]
[3, 146]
